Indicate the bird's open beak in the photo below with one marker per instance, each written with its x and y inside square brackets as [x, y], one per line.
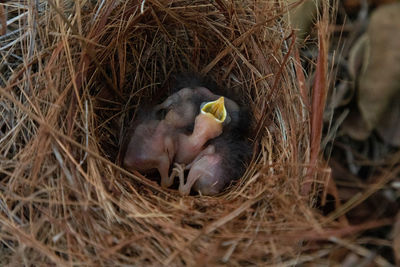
[216, 109]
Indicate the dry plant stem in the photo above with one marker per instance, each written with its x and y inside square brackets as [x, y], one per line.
[380, 261]
[215, 225]
[270, 95]
[87, 48]
[56, 134]
[340, 231]
[32, 242]
[63, 199]
[361, 197]
[332, 189]
[318, 105]
[301, 79]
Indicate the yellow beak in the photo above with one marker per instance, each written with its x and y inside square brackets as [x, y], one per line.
[216, 109]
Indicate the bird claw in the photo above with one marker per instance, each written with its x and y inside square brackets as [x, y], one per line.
[178, 170]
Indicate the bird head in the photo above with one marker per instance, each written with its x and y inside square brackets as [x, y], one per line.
[209, 122]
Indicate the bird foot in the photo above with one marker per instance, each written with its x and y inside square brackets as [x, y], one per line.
[179, 170]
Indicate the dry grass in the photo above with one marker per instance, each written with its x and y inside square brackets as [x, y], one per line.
[73, 75]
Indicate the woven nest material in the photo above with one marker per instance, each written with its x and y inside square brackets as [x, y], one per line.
[84, 70]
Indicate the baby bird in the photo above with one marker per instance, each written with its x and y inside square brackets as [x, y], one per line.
[208, 125]
[221, 162]
[163, 137]
[152, 146]
[155, 143]
[182, 107]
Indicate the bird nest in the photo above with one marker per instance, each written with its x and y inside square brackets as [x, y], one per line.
[75, 78]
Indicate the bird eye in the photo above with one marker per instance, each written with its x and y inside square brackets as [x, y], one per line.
[160, 114]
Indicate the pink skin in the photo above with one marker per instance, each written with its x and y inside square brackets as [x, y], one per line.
[205, 175]
[152, 146]
[205, 128]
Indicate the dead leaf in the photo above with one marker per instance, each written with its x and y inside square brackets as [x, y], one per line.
[389, 127]
[379, 78]
[358, 56]
[300, 17]
[355, 127]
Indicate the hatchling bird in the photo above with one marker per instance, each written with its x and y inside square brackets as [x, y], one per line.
[221, 162]
[208, 125]
[192, 91]
[154, 144]
[178, 128]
